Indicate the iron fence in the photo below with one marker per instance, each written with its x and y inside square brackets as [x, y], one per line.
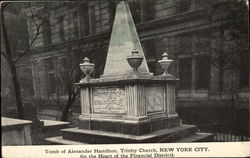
[228, 124]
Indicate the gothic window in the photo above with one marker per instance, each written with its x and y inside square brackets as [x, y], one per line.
[185, 73]
[202, 71]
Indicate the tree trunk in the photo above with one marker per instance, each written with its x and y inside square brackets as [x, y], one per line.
[12, 64]
[17, 90]
[65, 113]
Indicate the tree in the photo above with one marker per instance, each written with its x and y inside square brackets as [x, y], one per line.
[230, 55]
[68, 73]
[234, 44]
[11, 51]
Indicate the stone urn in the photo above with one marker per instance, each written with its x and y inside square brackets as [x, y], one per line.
[165, 62]
[135, 60]
[87, 67]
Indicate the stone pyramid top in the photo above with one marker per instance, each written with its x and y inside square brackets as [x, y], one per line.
[124, 39]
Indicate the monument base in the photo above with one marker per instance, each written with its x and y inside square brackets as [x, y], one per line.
[132, 127]
[182, 133]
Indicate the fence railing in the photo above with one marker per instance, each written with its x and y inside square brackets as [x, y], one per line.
[228, 137]
[224, 135]
[227, 124]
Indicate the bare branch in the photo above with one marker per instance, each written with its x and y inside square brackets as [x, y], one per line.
[57, 99]
[30, 45]
[38, 27]
[3, 54]
[32, 15]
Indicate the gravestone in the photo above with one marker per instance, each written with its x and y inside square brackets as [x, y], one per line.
[16, 132]
[127, 105]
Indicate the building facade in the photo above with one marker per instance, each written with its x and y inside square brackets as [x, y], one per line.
[208, 41]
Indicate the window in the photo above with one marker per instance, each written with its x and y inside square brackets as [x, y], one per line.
[149, 49]
[185, 45]
[135, 9]
[92, 19]
[148, 10]
[84, 20]
[51, 84]
[201, 42]
[26, 82]
[201, 3]
[46, 32]
[76, 28]
[112, 9]
[62, 75]
[202, 70]
[61, 29]
[142, 10]
[244, 72]
[185, 73]
[184, 5]
[169, 44]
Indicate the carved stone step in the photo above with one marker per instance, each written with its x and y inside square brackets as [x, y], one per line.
[198, 137]
[193, 137]
[60, 141]
[101, 137]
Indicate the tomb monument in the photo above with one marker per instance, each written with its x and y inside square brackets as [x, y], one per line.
[128, 104]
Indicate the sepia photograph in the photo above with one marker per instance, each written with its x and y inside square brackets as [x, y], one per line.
[125, 72]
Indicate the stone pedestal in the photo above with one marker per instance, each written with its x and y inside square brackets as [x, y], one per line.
[133, 105]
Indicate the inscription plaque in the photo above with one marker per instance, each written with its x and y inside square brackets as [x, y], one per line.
[155, 98]
[109, 100]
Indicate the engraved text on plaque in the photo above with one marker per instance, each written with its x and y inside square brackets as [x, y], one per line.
[109, 100]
